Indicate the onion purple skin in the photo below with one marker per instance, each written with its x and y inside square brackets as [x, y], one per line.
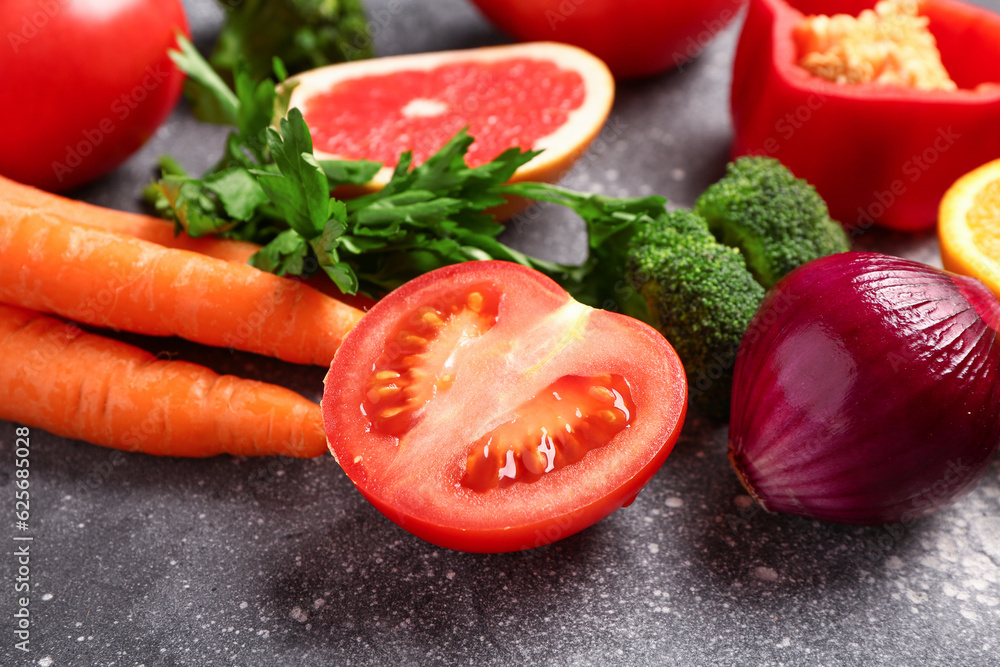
[867, 390]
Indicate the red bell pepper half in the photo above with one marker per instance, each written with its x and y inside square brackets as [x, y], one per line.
[877, 154]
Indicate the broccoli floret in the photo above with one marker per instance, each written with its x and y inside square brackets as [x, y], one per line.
[779, 222]
[701, 297]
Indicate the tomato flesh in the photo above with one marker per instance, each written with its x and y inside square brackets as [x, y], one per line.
[482, 409]
[551, 430]
[417, 362]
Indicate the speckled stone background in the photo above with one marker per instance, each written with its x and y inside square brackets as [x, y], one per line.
[145, 561]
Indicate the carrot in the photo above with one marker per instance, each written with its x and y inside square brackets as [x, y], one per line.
[149, 229]
[122, 222]
[104, 279]
[84, 386]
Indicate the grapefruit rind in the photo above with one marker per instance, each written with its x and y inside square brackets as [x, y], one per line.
[561, 148]
[960, 252]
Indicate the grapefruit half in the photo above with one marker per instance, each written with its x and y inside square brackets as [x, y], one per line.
[539, 95]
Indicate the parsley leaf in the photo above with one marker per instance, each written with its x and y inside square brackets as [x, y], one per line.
[299, 190]
[204, 85]
[238, 191]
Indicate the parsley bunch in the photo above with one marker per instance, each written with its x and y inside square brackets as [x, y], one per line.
[303, 33]
[270, 189]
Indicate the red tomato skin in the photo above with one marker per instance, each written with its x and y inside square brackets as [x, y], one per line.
[344, 429]
[635, 38]
[91, 85]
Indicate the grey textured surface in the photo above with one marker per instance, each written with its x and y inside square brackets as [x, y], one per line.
[139, 560]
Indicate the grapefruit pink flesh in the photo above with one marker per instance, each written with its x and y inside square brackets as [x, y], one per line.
[513, 102]
[539, 95]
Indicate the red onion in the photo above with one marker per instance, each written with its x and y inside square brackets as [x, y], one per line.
[867, 390]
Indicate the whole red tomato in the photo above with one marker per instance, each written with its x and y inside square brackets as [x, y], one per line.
[634, 37]
[86, 83]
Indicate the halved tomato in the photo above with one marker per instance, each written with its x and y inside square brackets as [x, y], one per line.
[483, 409]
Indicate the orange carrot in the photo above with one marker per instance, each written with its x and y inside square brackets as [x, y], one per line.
[102, 278]
[122, 222]
[87, 387]
[150, 229]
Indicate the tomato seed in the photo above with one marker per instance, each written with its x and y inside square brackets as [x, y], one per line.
[388, 391]
[608, 415]
[424, 339]
[431, 318]
[570, 420]
[602, 394]
[475, 302]
[413, 339]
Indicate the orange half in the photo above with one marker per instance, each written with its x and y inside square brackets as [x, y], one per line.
[969, 226]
